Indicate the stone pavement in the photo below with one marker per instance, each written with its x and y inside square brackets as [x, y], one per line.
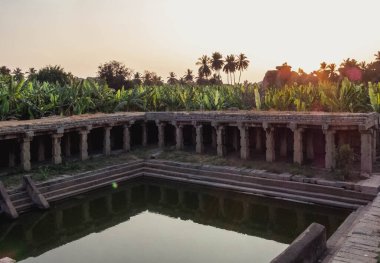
[363, 241]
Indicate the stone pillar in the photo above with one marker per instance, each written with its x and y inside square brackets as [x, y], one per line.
[179, 136]
[270, 153]
[235, 139]
[126, 138]
[244, 142]
[374, 141]
[40, 150]
[12, 156]
[199, 139]
[309, 146]
[107, 141]
[298, 146]
[193, 136]
[56, 148]
[329, 149]
[67, 145]
[259, 140]
[213, 137]
[25, 152]
[83, 146]
[284, 145]
[220, 147]
[366, 151]
[161, 135]
[144, 134]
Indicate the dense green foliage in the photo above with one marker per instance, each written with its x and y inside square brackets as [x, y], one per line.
[28, 99]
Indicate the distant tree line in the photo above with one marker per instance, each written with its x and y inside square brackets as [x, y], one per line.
[357, 72]
[117, 75]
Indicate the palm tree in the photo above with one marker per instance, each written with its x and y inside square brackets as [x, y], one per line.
[322, 72]
[137, 78]
[331, 70]
[31, 71]
[216, 80]
[217, 62]
[230, 67]
[241, 63]
[363, 65]
[18, 75]
[5, 71]
[377, 56]
[201, 80]
[172, 80]
[323, 66]
[157, 80]
[148, 78]
[189, 77]
[204, 63]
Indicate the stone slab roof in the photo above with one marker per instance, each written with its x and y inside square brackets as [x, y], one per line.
[364, 120]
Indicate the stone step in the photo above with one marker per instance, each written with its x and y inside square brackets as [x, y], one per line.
[87, 188]
[22, 201]
[25, 206]
[257, 186]
[254, 191]
[237, 175]
[93, 183]
[90, 177]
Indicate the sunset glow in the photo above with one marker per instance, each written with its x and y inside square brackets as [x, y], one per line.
[169, 35]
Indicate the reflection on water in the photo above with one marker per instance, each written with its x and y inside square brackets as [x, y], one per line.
[159, 221]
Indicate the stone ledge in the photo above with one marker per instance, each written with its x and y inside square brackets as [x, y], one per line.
[307, 247]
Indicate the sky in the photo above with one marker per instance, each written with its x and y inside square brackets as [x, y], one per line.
[170, 35]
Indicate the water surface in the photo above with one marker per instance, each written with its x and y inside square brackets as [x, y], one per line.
[160, 221]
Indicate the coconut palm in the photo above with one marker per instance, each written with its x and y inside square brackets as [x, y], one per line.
[331, 70]
[137, 78]
[230, 67]
[241, 64]
[172, 79]
[363, 65]
[377, 56]
[204, 63]
[189, 77]
[18, 75]
[217, 62]
[157, 80]
[31, 71]
[323, 66]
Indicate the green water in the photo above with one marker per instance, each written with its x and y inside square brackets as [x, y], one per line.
[160, 221]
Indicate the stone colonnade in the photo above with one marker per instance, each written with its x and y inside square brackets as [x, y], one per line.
[272, 139]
